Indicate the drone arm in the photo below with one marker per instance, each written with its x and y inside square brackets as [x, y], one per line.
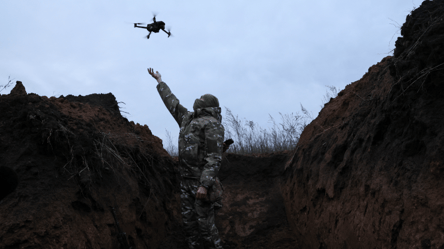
[135, 26]
[169, 33]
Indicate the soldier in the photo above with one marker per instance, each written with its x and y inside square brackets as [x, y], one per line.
[200, 154]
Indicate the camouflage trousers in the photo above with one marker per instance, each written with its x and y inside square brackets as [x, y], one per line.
[198, 217]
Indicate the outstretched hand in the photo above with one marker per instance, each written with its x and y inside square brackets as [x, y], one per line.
[156, 75]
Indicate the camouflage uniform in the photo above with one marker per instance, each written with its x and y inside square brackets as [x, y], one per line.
[200, 153]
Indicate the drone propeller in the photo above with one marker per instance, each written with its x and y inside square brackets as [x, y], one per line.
[154, 15]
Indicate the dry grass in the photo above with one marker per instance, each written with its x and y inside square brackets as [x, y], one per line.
[170, 147]
[3, 87]
[250, 138]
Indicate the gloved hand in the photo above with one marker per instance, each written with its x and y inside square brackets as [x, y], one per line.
[156, 75]
[227, 144]
[225, 148]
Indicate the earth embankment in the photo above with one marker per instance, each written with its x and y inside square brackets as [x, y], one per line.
[367, 172]
[78, 161]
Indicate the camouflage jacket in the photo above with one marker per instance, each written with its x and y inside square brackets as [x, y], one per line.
[200, 139]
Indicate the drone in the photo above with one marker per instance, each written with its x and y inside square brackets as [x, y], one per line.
[155, 27]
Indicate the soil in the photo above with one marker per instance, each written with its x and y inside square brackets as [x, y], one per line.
[366, 173]
[253, 215]
[77, 159]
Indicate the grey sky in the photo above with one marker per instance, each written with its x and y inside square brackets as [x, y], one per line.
[257, 57]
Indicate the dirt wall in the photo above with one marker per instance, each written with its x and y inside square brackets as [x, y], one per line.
[367, 172]
[75, 161]
[253, 215]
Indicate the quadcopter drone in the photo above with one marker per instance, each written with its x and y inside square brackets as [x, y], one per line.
[153, 27]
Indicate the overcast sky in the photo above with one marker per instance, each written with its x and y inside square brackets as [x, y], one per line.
[258, 57]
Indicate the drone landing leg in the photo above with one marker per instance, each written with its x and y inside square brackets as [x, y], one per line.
[167, 32]
[148, 36]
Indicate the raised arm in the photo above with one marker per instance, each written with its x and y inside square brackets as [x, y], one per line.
[169, 99]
